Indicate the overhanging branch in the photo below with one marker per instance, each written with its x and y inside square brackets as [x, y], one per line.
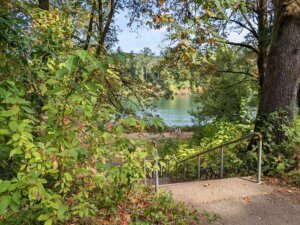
[241, 45]
[238, 72]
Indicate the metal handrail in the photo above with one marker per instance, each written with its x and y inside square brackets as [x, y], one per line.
[252, 135]
[222, 145]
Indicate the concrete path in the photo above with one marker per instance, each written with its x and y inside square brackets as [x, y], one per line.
[239, 201]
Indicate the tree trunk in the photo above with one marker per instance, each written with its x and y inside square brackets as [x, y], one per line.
[4, 5]
[283, 63]
[263, 42]
[90, 28]
[100, 25]
[103, 31]
[44, 4]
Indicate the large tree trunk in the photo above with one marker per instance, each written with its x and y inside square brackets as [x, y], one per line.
[283, 63]
[263, 40]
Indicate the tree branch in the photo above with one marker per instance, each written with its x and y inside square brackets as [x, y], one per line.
[90, 28]
[238, 72]
[247, 21]
[104, 31]
[241, 45]
[240, 24]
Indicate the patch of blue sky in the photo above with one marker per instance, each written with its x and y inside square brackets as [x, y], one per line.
[135, 40]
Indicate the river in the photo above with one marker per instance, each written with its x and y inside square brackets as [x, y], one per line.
[175, 111]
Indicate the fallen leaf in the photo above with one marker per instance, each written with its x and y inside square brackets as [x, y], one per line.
[246, 199]
[66, 121]
[94, 171]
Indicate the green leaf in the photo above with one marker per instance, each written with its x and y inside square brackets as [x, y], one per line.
[71, 63]
[106, 136]
[43, 217]
[4, 202]
[92, 87]
[68, 177]
[2, 93]
[43, 89]
[16, 151]
[61, 211]
[15, 207]
[82, 54]
[51, 81]
[48, 222]
[16, 197]
[4, 132]
[76, 87]
[4, 186]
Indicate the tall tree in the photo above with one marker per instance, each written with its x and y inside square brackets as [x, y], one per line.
[283, 63]
[211, 22]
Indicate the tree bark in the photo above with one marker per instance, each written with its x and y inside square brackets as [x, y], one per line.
[103, 31]
[283, 63]
[100, 21]
[4, 5]
[90, 28]
[262, 39]
[44, 4]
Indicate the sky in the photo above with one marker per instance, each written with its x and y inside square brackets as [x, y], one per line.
[135, 41]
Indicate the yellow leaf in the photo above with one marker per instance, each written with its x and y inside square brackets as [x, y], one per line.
[210, 13]
[55, 164]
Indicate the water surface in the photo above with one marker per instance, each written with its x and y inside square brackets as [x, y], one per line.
[175, 111]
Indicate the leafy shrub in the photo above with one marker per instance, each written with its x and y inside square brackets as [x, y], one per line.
[68, 158]
[280, 158]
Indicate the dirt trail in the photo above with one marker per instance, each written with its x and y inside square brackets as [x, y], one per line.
[237, 201]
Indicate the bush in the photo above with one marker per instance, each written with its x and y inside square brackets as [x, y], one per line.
[66, 158]
[280, 159]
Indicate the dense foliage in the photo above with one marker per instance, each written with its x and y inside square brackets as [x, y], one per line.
[64, 157]
[64, 154]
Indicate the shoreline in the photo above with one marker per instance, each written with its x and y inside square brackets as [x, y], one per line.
[162, 135]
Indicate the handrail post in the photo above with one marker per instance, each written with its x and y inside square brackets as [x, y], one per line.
[184, 171]
[145, 172]
[199, 167]
[156, 176]
[259, 159]
[176, 171]
[161, 170]
[168, 169]
[222, 161]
